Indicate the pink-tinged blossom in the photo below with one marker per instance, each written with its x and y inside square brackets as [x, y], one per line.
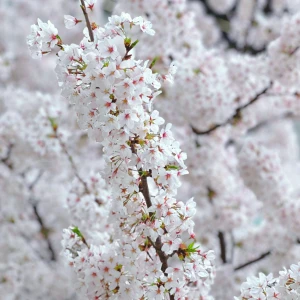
[43, 38]
[286, 286]
[70, 21]
[145, 26]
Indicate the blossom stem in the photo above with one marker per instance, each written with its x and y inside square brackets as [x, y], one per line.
[87, 21]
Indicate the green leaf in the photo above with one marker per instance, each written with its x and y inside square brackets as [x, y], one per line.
[133, 44]
[150, 136]
[77, 231]
[191, 248]
[106, 64]
[153, 62]
[53, 122]
[197, 71]
[171, 167]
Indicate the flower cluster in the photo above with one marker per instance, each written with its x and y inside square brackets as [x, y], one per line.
[43, 38]
[284, 54]
[233, 102]
[231, 111]
[113, 95]
[266, 287]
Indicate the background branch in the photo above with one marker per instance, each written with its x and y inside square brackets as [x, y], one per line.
[236, 116]
[252, 261]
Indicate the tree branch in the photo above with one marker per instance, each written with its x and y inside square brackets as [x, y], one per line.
[222, 246]
[87, 21]
[43, 229]
[268, 7]
[144, 189]
[65, 150]
[45, 232]
[236, 116]
[226, 18]
[5, 160]
[252, 261]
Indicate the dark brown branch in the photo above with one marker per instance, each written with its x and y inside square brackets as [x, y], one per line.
[87, 21]
[5, 160]
[268, 7]
[144, 189]
[222, 246]
[43, 229]
[221, 18]
[254, 99]
[162, 256]
[252, 261]
[236, 116]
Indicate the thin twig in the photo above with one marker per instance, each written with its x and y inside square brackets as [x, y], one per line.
[44, 231]
[65, 150]
[235, 116]
[252, 261]
[87, 21]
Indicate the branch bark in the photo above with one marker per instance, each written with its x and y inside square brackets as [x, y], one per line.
[222, 246]
[87, 21]
[144, 189]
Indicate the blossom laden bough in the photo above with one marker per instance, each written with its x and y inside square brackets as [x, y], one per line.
[113, 95]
